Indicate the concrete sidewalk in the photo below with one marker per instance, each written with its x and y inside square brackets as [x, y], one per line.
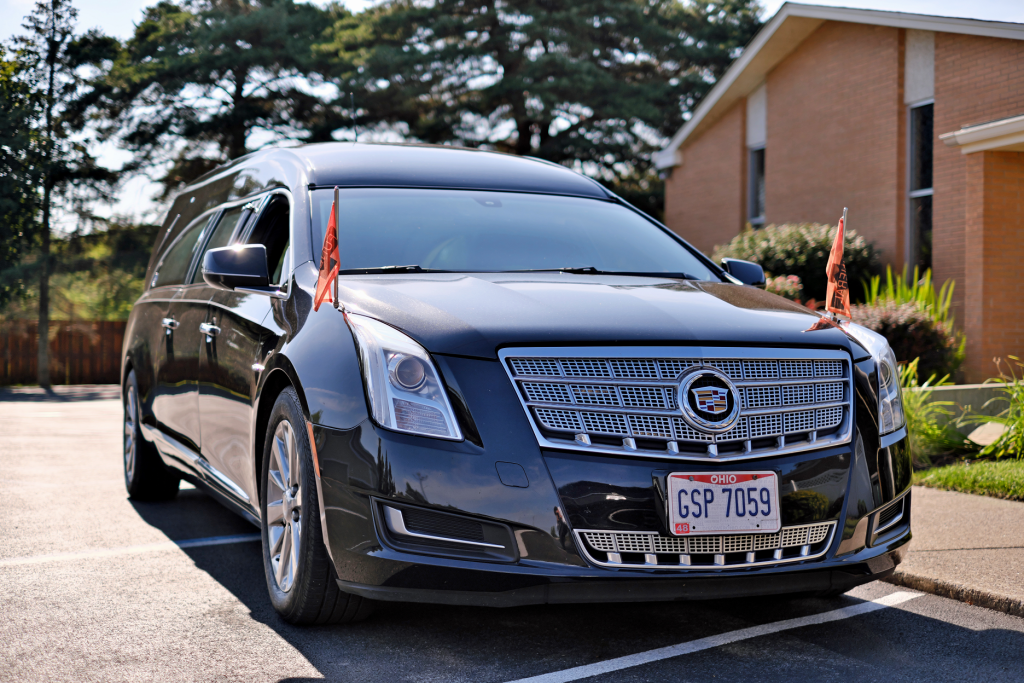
[966, 547]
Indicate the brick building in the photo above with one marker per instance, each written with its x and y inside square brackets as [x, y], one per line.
[914, 122]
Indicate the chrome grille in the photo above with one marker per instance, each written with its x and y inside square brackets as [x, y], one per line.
[624, 400]
[791, 544]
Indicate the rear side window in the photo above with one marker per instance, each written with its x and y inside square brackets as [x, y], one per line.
[221, 236]
[174, 265]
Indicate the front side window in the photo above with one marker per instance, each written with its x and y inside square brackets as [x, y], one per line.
[221, 236]
[173, 267]
[476, 231]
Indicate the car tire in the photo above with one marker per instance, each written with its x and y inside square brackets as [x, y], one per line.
[145, 475]
[301, 579]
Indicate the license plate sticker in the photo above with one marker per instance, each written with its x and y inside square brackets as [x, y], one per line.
[727, 502]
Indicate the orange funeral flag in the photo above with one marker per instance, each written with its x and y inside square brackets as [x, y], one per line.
[330, 259]
[837, 296]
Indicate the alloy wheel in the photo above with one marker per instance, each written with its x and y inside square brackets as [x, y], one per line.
[130, 447]
[284, 506]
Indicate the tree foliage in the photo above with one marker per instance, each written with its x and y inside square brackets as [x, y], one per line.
[199, 79]
[19, 173]
[596, 84]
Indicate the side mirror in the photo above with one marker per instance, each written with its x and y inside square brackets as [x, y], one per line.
[746, 272]
[243, 266]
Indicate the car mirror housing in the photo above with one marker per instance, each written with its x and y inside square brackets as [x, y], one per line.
[242, 266]
[746, 272]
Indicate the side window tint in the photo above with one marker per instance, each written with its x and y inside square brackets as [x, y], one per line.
[173, 267]
[221, 237]
[272, 232]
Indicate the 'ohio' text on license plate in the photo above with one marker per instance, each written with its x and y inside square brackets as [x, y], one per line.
[726, 502]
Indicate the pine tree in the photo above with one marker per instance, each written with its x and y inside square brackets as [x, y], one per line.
[202, 82]
[595, 84]
[51, 58]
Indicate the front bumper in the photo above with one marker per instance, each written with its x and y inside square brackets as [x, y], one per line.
[365, 467]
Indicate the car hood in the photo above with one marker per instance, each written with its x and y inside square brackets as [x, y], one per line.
[477, 314]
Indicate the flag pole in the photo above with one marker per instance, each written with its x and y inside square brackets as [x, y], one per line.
[337, 227]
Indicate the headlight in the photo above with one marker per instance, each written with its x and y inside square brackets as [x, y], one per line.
[890, 403]
[405, 390]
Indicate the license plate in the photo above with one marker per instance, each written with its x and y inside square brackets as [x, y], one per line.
[726, 502]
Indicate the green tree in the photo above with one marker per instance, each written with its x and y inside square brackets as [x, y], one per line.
[202, 82]
[595, 84]
[19, 174]
[55, 62]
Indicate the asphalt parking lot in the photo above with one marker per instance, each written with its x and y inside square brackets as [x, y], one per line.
[96, 587]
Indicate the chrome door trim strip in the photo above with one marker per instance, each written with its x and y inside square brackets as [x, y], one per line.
[171, 448]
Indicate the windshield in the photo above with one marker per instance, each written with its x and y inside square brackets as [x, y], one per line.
[471, 231]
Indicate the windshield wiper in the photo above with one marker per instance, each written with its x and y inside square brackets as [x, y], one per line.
[591, 270]
[391, 269]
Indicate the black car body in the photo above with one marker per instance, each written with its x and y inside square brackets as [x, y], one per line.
[548, 479]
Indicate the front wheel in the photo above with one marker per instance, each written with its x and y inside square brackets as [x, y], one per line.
[300, 577]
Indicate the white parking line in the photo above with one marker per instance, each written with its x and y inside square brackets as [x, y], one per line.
[130, 550]
[628, 661]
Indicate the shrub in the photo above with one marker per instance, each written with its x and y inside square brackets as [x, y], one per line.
[920, 293]
[788, 286]
[801, 250]
[1012, 440]
[928, 422]
[913, 333]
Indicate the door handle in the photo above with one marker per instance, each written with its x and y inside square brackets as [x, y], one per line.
[210, 330]
[169, 324]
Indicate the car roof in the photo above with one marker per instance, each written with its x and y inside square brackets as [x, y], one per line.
[351, 164]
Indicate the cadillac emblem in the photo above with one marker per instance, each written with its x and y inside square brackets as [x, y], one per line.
[709, 401]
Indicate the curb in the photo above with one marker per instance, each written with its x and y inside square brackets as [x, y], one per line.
[956, 591]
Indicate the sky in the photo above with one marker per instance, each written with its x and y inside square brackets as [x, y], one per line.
[118, 18]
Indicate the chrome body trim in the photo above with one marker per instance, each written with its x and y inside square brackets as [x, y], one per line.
[171, 448]
[396, 525]
[736, 445]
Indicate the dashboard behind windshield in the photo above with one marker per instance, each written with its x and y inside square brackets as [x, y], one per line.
[476, 231]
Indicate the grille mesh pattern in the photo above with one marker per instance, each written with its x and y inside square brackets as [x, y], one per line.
[669, 544]
[638, 397]
[649, 425]
[564, 420]
[761, 397]
[760, 369]
[794, 369]
[732, 368]
[795, 395]
[649, 542]
[829, 417]
[643, 397]
[584, 367]
[830, 393]
[828, 368]
[630, 368]
[705, 544]
[764, 425]
[536, 366]
[595, 395]
[799, 422]
[547, 393]
[633, 543]
[685, 432]
[605, 423]
[672, 367]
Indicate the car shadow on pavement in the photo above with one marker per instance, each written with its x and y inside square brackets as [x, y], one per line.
[408, 641]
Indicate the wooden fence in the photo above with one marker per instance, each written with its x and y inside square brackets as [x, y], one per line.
[81, 352]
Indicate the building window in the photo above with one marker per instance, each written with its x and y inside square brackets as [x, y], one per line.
[919, 234]
[755, 190]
